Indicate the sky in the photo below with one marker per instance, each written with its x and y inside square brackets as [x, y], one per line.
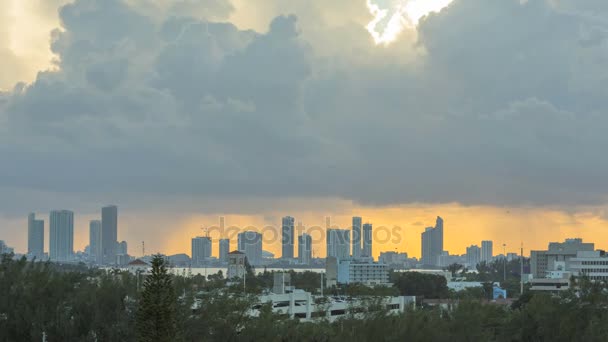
[490, 114]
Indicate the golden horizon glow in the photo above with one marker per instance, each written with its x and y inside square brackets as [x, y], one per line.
[403, 14]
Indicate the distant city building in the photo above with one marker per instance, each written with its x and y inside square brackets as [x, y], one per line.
[446, 259]
[356, 237]
[224, 250]
[486, 251]
[368, 273]
[367, 241]
[338, 243]
[236, 265]
[250, 243]
[287, 237]
[122, 248]
[61, 237]
[396, 260]
[109, 234]
[95, 241]
[304, 249]
[35, 237]
[201, 250]
[473, 256]
[432, 244]
[542, 261]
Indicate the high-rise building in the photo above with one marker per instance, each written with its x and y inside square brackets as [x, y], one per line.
[201, 250]
[432, 244]
[95, 241]
[473, 256]
[35, 237]
[61, 244]
[356, 237]
[109, 234]
[250, 243]
[367, 240]
[122, 248]
[287, 240]
[224, 250]
[486, 250]
[304, 249]
[338, 243]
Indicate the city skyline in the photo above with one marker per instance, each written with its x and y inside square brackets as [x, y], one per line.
[455, 244]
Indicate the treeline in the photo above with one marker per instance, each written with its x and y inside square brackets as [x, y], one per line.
[80, 304]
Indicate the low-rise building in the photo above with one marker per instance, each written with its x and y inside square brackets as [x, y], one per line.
[302, 305]
[236, 265]
[353, 271]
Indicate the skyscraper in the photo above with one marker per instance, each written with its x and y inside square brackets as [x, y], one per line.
[304, 249]
[473, 256]
[61, 246]
[95, 241]
[35, 237]
[287, 240]
[367, 240]
[122, 248]
[109, 234]
[486, 251]
[432, 243]
[201, 250]
[224, 249]
[250, 243]
[356, 237]
[338, 243]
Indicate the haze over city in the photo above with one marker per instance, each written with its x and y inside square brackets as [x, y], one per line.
[182, 112]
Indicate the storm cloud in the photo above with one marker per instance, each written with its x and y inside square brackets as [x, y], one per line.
[492, 103]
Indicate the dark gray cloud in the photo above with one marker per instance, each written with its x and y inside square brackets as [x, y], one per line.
[505, 106]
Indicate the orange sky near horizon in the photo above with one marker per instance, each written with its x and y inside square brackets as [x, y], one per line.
[399, 228]
[171, 233]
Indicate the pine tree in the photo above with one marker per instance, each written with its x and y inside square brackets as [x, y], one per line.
[157, 307]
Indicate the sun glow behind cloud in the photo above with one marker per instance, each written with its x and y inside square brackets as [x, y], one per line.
[391, 17]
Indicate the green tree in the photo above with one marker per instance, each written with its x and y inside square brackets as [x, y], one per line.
[157, 307]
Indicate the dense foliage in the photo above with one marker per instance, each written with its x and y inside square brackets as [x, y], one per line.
[74, 303]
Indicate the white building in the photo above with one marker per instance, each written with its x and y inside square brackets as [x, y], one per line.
[541, 261]
[592, 264]
[352, 271]
[306, 307]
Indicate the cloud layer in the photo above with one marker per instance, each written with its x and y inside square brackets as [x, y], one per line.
[490, 102]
